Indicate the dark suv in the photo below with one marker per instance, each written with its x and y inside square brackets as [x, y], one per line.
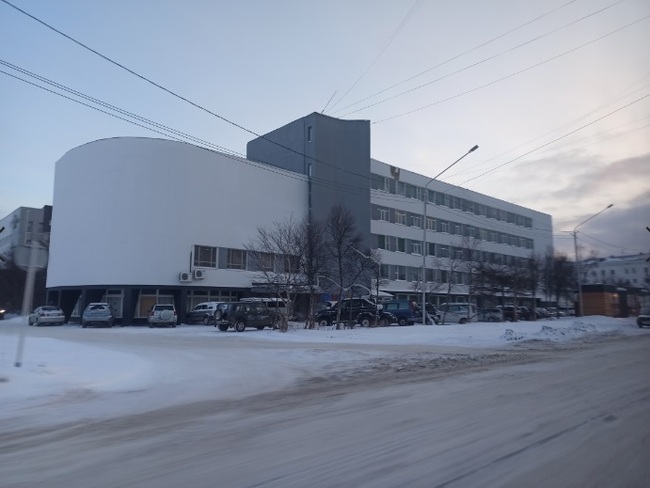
[248, 314]
[355, 311]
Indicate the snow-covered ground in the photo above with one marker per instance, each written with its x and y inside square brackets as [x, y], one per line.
[63, 365]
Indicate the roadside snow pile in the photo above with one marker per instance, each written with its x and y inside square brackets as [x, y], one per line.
[511, 335]
[576, 330]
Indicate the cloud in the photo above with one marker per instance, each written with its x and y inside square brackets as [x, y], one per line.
[617, 231]
[574, 186]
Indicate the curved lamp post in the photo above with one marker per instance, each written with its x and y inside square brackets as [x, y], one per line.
[424, 232]
[575, 246]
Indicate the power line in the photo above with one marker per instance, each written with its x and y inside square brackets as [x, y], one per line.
[458, 56]
[557, 139]
[503, 78]
[167, 90]
[387, 43]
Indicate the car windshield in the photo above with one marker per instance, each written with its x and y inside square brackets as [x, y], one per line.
[164, 307]
[97, 307]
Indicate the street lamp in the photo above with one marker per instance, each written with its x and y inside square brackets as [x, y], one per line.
[575, 246]
[424, 232]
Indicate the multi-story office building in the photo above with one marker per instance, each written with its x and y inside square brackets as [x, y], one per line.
[139, 221]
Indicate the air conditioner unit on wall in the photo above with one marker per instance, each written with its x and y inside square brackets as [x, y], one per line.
[184, 277]
[199, 274]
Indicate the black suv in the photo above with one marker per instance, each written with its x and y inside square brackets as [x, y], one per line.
[355, 311]
[248, 314]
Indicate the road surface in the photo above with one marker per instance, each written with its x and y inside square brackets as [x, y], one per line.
[534, 415]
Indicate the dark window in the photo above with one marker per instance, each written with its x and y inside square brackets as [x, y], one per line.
[205, 256]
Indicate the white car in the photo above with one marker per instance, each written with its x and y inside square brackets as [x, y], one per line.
[46, 314]
[457, 313]
[163, 315]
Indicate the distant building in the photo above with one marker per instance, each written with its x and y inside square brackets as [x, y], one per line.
[629, 270]
[139, 221]
[21, 227]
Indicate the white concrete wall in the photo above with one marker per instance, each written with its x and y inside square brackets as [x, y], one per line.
[128, 211]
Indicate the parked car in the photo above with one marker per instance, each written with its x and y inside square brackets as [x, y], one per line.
[248, 314]
[46, 314]
[458, 313]
[206, 312]
[276, 304]
[407, 312]
[643, 318]
[163, 315]
[542, 313]
[524, 313]
[510, 312]
[98, 314]
[356, 311]
[493, 315]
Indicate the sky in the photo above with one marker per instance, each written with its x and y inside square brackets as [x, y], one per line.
[556, 93]
[58, 369]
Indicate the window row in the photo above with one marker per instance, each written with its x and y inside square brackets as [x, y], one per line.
[409, 246]
[403, 217]
[229, 258]
[396, 272]
[390, 185]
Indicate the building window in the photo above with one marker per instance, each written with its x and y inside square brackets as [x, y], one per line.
[444, 226]
[309, 131]
[431, 223]
[416, 247]
[383, 214]
[265, 261]
[401, 244]
[381, 242]
[236, 259]
[401, 273]
[444, 252]
[416, 221]
[400, 217]
[205, 256]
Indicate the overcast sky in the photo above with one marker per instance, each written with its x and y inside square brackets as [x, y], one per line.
[556, 93]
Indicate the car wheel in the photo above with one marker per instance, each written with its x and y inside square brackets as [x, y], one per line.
[463, 321]
[260, 327]
[365, 322]
[383, 322]
[240, 326]
[84, 325]
[223, 327]
[206, 320]
[324, 323]
[402, 322]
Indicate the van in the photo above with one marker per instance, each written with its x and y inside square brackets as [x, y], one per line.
[457, 313]
[409, 313]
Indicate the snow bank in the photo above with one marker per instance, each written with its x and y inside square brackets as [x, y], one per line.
[54, 369]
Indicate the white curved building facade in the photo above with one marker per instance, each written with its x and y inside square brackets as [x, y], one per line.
[132, 214]
[139, 221]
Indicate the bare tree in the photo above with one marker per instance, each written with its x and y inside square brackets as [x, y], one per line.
[563, 277]
[342, 239]
[275, 256]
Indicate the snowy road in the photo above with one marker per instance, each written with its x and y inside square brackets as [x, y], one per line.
[531, 414]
